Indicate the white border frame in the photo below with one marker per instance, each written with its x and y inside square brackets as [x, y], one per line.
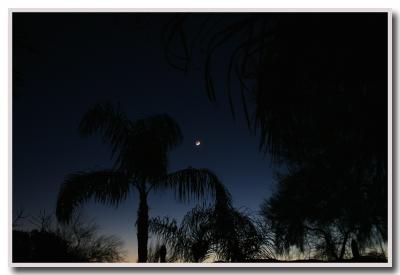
[224, 265]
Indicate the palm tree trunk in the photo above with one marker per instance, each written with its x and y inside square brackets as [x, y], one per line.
[142, 224]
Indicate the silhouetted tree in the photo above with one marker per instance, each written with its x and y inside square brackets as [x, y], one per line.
[140, 149]
[314, 86]
[53, 242]
[204, 233]
[303, 206]
[181, 247]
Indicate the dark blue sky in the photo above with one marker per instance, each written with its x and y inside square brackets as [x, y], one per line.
[79, 60]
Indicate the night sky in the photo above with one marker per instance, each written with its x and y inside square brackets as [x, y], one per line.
[68, 63]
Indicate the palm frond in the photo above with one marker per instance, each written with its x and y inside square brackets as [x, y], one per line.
[189, 242]
[104, 118]
[144, 152]
[167, 232]
[162, 127]
[140, 146]
[106, 186]
[165, 228]
[198, 220]
[192, 183]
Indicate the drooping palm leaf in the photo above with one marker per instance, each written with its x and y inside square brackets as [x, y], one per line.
[140, 146]
[202, 233]
[167, 232]
[191, 183]
[106, 186]
[198, 219]
[191, 241]
[165, 228]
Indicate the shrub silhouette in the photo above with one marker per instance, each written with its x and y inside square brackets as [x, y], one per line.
[51, 242]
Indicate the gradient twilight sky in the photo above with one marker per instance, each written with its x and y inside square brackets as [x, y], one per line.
[73, 61]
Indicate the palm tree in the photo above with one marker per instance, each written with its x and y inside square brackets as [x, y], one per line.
[191, 241]
[140, 150]
[226, 233]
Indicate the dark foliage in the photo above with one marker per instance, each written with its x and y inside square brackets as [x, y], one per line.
[56, 243]
[140, 150]
[314, 86]
[107, 186]
[36, 246]
[213, 233]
